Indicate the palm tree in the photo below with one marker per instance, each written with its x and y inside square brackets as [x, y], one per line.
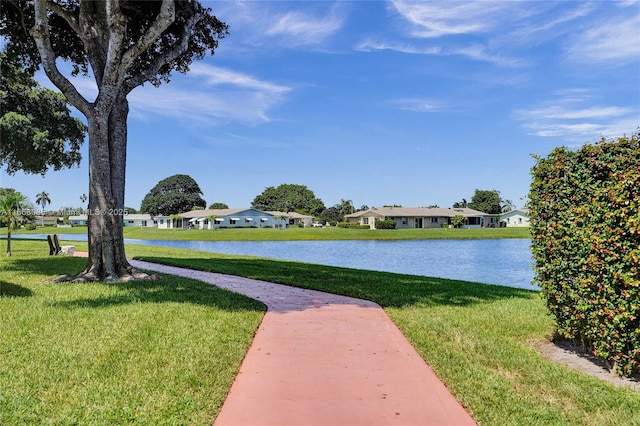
[42, 199]
[83, 198]
[345, 207]
[507, 206]
[10, 206]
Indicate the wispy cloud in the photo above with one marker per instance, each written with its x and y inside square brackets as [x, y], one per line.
[214, 95]
[300, 28]
[503, 30]
[437, 19]
[568, 118]
[418, 105]
[475, 51]
[215, 76]
[481, 53]
[615, 41]
[370, 46]
[277, 25]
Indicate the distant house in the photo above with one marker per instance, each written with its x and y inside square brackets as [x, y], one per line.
[218, 218]
[515, 218]
[232, 218]
[47, 220]
[294, 218]
[78, 220]
[141, 220]
[422, 217]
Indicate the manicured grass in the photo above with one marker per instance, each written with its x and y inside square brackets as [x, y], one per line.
[295, 233]
[478, 338]
[154, 352]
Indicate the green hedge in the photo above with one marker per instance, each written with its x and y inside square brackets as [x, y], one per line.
[386, 224]
[352, 225]
[585, 230]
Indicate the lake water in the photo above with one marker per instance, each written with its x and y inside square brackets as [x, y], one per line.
[496, 261]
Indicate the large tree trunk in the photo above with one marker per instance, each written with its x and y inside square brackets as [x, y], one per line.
[107, 162]
[121, 59]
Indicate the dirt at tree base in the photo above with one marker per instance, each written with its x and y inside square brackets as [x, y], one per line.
[564, 352]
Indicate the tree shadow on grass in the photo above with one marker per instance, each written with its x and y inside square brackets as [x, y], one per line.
[13, 290]
[385, 288]
[166, 289]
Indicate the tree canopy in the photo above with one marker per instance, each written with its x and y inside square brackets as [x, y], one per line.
[218, 206]
[486, 201]
[173, 195]
[37, 131]
[289, 198]
[120, 44]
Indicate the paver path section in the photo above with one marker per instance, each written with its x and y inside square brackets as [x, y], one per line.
[323, 359]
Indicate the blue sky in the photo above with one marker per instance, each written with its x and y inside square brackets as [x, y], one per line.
[379, 102]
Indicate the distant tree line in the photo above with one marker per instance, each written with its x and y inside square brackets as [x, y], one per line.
[180, 193]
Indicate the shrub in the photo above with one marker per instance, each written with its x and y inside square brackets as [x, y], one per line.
[351, 225]
[30, 226]
[457, 221]
[585, 230]
[386, 224]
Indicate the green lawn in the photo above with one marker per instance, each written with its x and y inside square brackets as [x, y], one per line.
[152, 353]
[295, 233]
[84, 353]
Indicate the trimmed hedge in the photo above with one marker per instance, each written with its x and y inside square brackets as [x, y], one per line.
[386, 224]
[585, 230]
[352, 225]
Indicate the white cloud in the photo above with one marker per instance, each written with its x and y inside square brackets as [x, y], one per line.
[282, 24]
[569, 119]
[615, 41]
[419, 105]
[476, 51]
[220, 76]
[480, 53]
[298, 28]
[559, 113]
[369, 45]
[437, 19]
[214, 95]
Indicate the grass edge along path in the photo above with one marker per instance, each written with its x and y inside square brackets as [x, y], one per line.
[476, 337]
[479, 339]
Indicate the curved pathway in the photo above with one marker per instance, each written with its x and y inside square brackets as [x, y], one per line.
[324, 359]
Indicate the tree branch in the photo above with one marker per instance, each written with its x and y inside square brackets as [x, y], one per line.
[68, 17]
[165, 18]
[177, 50]
[116, 22]
[42, 37]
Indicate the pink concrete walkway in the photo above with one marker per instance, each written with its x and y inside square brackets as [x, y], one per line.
[322, 359]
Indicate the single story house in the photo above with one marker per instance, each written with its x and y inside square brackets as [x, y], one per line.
[515, 218]
[142, 220]
[295, 218]
[47, 220]
[423, 217]
[79, 219]
[232, 218]
[218, 218]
